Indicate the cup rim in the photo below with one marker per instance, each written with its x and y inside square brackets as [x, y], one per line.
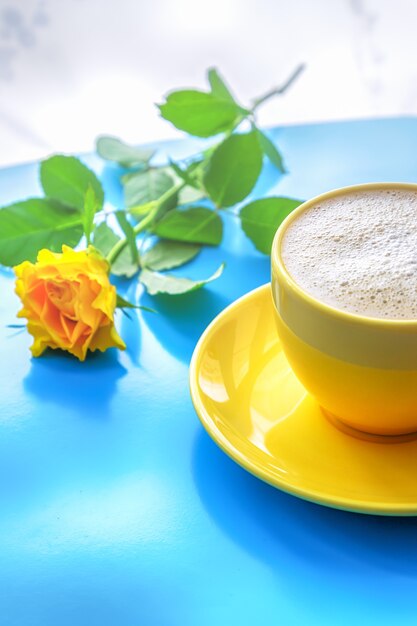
[279, 265]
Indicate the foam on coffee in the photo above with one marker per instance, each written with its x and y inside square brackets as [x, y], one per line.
[358, 252]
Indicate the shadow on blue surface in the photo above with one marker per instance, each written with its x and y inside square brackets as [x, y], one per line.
[63, 380]
[181, 320]
[130, 329]
[266, 523]
[6, 271]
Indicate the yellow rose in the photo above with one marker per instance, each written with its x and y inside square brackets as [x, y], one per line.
[68, 302]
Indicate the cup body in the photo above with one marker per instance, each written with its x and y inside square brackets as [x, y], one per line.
[361, 370]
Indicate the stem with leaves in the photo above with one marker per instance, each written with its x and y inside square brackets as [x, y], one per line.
[225, 173]
[164, 200]
[118, 247]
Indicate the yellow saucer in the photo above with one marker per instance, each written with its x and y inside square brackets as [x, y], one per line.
[255, 409]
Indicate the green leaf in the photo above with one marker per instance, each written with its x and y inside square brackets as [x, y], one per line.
[187, 195]
[164, 207]
[126, 177]
[90, 208]
[104, 240]
[139, 210]
[186, 175]
[66, 179]
[192, 176]
[233, 169]
[121, 303]
[27, 227]
[113, 149]
[260, 219]
[173, 285]
[194, 225]
[218, 86]
[129, 234]
[164, 169]
[271, 151]
[200, 113]
[146, 186]
[165, 255]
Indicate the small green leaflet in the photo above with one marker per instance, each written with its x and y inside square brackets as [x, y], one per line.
[90, 209]
[66, 179]
[165, 255]
[144, 187]
[130, 236]
[201, 114]
[218, 86]
[173, 285]
[188, 195]
[233, 169]
[121, 303]
[192, 177]
[113, 149]
[186, 174]
[27, 227]
[124, 178]
[194, 225]
[271, 151]
[260, 219]
[140, 210]
[104, 240]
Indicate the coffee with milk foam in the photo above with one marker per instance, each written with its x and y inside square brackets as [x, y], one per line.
[358, 252]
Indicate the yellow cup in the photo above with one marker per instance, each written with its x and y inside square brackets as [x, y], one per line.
[361, 370]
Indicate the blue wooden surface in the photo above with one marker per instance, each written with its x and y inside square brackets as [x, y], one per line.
[117, 508]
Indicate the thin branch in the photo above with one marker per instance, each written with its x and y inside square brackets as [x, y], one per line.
[277, 91]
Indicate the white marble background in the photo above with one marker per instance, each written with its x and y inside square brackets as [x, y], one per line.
[71, 69]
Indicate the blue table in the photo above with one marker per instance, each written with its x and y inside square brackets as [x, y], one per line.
[117, 508]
